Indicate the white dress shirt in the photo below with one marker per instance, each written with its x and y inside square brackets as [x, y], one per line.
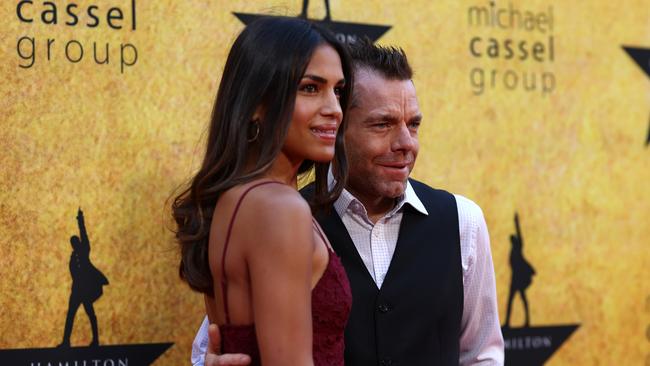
[481, 342]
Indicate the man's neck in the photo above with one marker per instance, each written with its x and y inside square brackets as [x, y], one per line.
[376, 207]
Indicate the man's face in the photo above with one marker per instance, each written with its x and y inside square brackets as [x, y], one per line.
[381, 139]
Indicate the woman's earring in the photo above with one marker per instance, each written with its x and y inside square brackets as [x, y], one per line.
[254, 127]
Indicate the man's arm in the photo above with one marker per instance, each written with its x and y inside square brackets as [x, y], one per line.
[205, 349]
[200, 344]
[481, 341]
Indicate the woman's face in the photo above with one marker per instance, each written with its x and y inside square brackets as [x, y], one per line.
[317, 113]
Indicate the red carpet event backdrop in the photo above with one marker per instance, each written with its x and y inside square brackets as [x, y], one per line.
[538, 110]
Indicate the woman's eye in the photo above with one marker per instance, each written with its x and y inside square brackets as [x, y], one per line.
[338, 91]
[309, 88]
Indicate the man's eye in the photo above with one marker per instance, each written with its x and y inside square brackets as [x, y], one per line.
[415, 125]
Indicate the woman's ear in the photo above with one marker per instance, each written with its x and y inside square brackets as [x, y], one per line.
[259, 114]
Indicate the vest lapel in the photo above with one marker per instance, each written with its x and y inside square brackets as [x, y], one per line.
[405, 243]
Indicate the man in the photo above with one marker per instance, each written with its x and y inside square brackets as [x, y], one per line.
[418, 259]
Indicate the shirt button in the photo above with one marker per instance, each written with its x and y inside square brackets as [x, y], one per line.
[386, 362]
[384, 308]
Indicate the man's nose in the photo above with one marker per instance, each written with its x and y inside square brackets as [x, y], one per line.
[403, 139]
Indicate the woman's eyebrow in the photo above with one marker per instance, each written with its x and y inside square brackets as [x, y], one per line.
[315, 78]
[320, 79]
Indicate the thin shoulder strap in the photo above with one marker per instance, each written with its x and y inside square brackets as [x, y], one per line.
[224, 280]
[318, 230]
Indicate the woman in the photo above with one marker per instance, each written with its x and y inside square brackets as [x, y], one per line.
[248, 239]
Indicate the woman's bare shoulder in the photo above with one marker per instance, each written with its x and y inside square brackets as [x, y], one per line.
[278, 198]
[272, 210]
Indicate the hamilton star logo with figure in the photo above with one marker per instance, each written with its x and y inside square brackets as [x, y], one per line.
[344, 31]
[87, 287]
[527, 345]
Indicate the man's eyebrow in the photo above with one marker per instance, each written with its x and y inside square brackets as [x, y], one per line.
[417, 118]
[387, 117]
[320, 79]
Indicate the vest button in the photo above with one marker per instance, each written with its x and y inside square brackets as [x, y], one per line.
[384, 308]
[386, 362]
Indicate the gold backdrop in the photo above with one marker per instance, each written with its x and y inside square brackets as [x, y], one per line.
[569, 155]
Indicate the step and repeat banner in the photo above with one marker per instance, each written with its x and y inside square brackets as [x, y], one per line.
[538, 110]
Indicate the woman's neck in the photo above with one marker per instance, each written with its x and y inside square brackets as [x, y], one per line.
[284, 170]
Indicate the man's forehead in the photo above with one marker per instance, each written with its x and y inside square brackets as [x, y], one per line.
[373, 89]
[366, 77]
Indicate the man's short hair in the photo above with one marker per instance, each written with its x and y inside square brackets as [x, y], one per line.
[389, 61]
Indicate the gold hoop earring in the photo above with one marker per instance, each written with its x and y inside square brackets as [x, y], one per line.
[255, 123]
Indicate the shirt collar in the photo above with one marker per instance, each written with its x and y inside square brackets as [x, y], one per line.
[347, 201]
[412, 199]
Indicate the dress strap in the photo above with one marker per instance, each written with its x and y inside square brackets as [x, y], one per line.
[224, 280]
[320, 233]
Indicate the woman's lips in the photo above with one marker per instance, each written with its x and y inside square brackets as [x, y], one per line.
[327, 133]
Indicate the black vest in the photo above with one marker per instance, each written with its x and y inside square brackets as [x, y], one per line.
[415, 318]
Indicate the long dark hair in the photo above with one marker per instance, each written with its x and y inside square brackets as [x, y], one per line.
[262, 72]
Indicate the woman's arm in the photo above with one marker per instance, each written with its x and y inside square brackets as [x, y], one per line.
[280, 268]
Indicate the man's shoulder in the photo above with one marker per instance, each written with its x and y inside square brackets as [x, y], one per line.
[466, 207]
[307, 191]
[428, 194]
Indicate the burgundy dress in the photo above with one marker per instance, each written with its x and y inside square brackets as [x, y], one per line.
[331, 300]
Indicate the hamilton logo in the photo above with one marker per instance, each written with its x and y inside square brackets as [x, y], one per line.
[345, 32]
[87, 287]
[642, 58]
[527, 345]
